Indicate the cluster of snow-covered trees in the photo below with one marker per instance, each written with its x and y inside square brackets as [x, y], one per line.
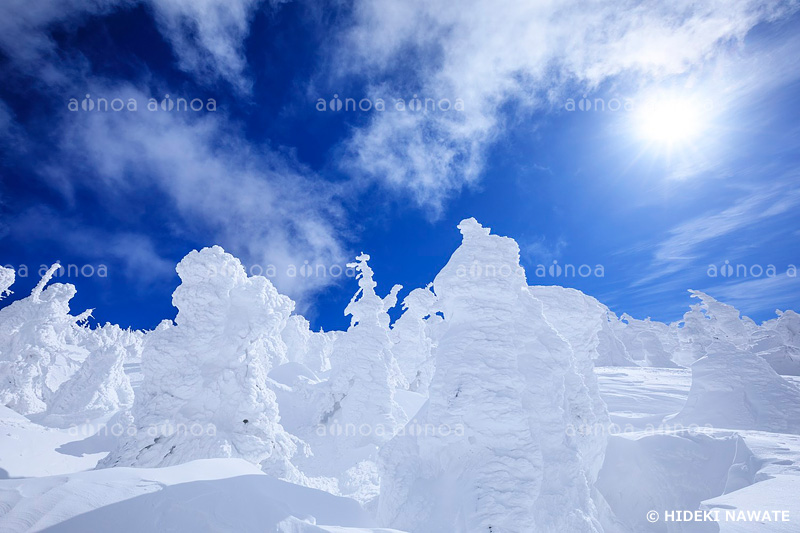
[454, 417]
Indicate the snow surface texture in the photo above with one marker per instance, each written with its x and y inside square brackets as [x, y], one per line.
[478, 410]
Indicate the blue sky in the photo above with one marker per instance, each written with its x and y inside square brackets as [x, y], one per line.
[654, 140]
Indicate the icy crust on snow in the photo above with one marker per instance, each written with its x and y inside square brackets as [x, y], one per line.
[52, 364]
[740, 390]
[492, 451]
[205, 391]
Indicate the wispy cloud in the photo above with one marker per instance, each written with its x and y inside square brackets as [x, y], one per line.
[256, 201]
[490, 53]
[207, 36]
[759, 294]
[134, 254]
[687, 242]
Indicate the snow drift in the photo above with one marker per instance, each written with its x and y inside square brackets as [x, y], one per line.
[739, 390]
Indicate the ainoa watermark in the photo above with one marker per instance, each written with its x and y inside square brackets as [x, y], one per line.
[413, 428]
[168, 103]
[553, 270]
[413, 104]
[740, 270]
[70, 270]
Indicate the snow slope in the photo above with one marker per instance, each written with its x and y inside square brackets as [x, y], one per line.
[206, 495]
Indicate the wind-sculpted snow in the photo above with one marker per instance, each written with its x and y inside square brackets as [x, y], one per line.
[491, 451]
[739, 390]
[205, 391]
[587, 325]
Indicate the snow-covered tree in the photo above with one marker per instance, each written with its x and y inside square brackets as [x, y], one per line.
[649, 343]
[40, 344]
[491, 450]
[364, 373]
[412, 340]
[309, 348]
[7, 277]
[712, 322]
[739, 390]
[585, 323]
[100, 385]
[205, 391]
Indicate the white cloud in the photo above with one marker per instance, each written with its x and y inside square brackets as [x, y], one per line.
[489, 53]
[135, 253]
[688, 242]
[207, 36]
[254, 200]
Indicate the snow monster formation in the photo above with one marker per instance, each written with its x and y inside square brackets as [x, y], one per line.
[53, 366]
[364, 373]
[100, 385]
[586, 324]
[412, 340]
[7, 277]
[39, 345]
[492, 449]
[734, 389]
[205, 391]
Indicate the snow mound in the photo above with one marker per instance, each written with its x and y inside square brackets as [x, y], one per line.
[204, 495]
[671, 471]
[490, 450]
[205, 392]
[739, 390]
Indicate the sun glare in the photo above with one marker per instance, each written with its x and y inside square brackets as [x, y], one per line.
[670, 121]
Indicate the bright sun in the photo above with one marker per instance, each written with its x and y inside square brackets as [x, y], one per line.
[670, 121]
